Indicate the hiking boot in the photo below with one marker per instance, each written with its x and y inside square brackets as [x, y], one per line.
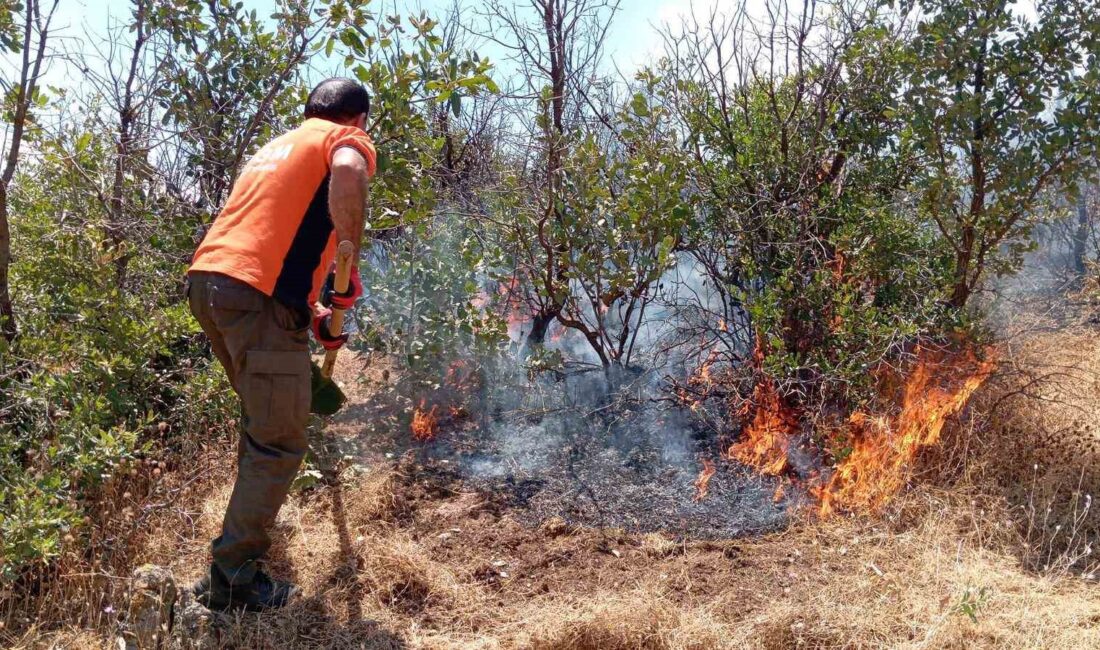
[264, 592]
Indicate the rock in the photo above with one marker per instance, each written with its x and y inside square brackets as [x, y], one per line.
[153, 594]
[194, 625]
[161, 616]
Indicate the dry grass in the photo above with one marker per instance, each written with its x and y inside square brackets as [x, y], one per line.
[1039, 449]
[389, 559]
[645, 617]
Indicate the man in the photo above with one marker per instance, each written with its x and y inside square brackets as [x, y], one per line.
[253, 285]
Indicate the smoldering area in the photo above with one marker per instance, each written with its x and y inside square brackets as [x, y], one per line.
[600, 447]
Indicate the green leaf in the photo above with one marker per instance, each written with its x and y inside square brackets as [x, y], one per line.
[382, 161]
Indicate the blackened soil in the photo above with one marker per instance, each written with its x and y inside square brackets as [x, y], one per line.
[629, 465]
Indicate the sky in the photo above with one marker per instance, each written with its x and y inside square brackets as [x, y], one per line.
[632, 41]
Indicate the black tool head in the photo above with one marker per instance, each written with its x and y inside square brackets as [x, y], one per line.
[327, 396]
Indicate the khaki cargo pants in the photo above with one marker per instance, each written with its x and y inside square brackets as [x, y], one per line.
[264, 347]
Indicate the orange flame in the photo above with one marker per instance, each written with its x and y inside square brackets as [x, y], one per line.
[424, 422]
[703, 479]
[517, 321]
[481, 300]
[703, 375]
[884, 447]
[516, 315]
[699, 384]
[767, 439]
[461, 375]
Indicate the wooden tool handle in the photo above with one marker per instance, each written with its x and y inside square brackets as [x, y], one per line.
[344, 260]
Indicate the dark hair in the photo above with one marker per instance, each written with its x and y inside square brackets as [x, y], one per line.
[337, 100]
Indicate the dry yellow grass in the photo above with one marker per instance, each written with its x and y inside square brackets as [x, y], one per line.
[386, 561]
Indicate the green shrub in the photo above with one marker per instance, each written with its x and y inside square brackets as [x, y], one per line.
[96, 368]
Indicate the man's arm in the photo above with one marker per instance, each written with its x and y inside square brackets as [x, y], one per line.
[347, 195]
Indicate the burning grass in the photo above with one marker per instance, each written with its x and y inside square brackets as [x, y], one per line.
[703, 481]
[425, 422]
[883, 448]
[766, 441]
[399, 554]
[912, 579]
[872, 453]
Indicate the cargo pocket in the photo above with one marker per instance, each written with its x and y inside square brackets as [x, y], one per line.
[233, 305]
[276, 387]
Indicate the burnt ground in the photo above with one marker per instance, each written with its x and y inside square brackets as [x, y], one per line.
[567, 449]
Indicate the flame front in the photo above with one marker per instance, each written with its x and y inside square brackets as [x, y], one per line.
[425, 424]
[879, 449]
[883, 448]
[517, 317]
[779, 493]
[766, 441]
[699, 385]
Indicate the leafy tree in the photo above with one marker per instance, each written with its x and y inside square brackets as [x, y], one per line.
[233, 80]
[123, 75]
[1003, 108]
[624, 213]
[415, 75]
[557, 45]
[96, 367]
[798, 173]
[21, 96]
[423, 291]
[98, 361]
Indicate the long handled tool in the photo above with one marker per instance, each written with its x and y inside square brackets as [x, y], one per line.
[344, 253]
[327, 396]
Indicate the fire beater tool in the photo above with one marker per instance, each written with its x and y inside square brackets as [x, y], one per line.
[327, 396]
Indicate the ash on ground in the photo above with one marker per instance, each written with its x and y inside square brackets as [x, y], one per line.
[577, 448]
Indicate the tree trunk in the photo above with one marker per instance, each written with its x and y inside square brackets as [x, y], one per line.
[960, 291]
[539, 325]
[24, 96]
[960, 294]
[555, 279]
[964, 271]
[1080, 237]
[7, 314]
[965, 274]
[116, 226]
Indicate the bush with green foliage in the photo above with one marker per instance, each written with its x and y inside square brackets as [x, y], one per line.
[96, 368]
[426, 300]
[803, 225]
